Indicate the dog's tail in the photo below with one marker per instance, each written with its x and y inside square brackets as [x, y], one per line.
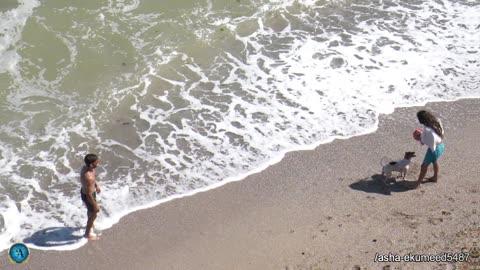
[384, 161]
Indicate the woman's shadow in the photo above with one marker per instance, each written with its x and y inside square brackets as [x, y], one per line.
[378, 184]
[56, 237]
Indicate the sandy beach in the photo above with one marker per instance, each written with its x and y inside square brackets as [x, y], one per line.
[318, 209]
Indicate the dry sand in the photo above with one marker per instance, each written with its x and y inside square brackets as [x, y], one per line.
[319, 209]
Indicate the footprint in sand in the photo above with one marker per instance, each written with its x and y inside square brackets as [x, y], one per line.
[413, 225]
[446, 213]
[435, 221]
[403, 215]
[409, 220]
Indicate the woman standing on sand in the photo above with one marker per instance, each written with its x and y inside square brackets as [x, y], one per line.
[432, 136]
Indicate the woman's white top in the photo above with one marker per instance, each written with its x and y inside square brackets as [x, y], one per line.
[431, 138]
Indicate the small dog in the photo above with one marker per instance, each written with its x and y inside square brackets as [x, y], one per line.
[398, 166]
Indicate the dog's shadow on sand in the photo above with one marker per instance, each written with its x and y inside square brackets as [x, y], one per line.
[378, 184]
[56, 237]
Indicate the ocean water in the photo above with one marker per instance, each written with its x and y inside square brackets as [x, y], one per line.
[181, 96]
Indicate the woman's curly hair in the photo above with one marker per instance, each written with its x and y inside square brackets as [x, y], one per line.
[428, 119]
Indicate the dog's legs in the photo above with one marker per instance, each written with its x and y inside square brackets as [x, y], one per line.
[388, 175]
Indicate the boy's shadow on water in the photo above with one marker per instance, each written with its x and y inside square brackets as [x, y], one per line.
[56, 237]
[378, 184]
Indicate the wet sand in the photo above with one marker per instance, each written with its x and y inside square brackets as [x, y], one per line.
[318, 209]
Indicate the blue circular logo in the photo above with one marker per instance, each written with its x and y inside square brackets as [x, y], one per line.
[19, 253]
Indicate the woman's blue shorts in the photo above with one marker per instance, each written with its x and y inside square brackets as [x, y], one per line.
[432, 157]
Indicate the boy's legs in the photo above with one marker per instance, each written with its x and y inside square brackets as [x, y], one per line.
[91, 219]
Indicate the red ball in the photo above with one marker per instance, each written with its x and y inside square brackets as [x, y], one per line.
[417, 133]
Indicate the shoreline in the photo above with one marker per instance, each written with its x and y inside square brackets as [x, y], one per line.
[288, 203]
[116, 218]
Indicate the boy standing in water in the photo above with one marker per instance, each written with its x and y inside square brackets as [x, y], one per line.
[432, 136]
[89, 191]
